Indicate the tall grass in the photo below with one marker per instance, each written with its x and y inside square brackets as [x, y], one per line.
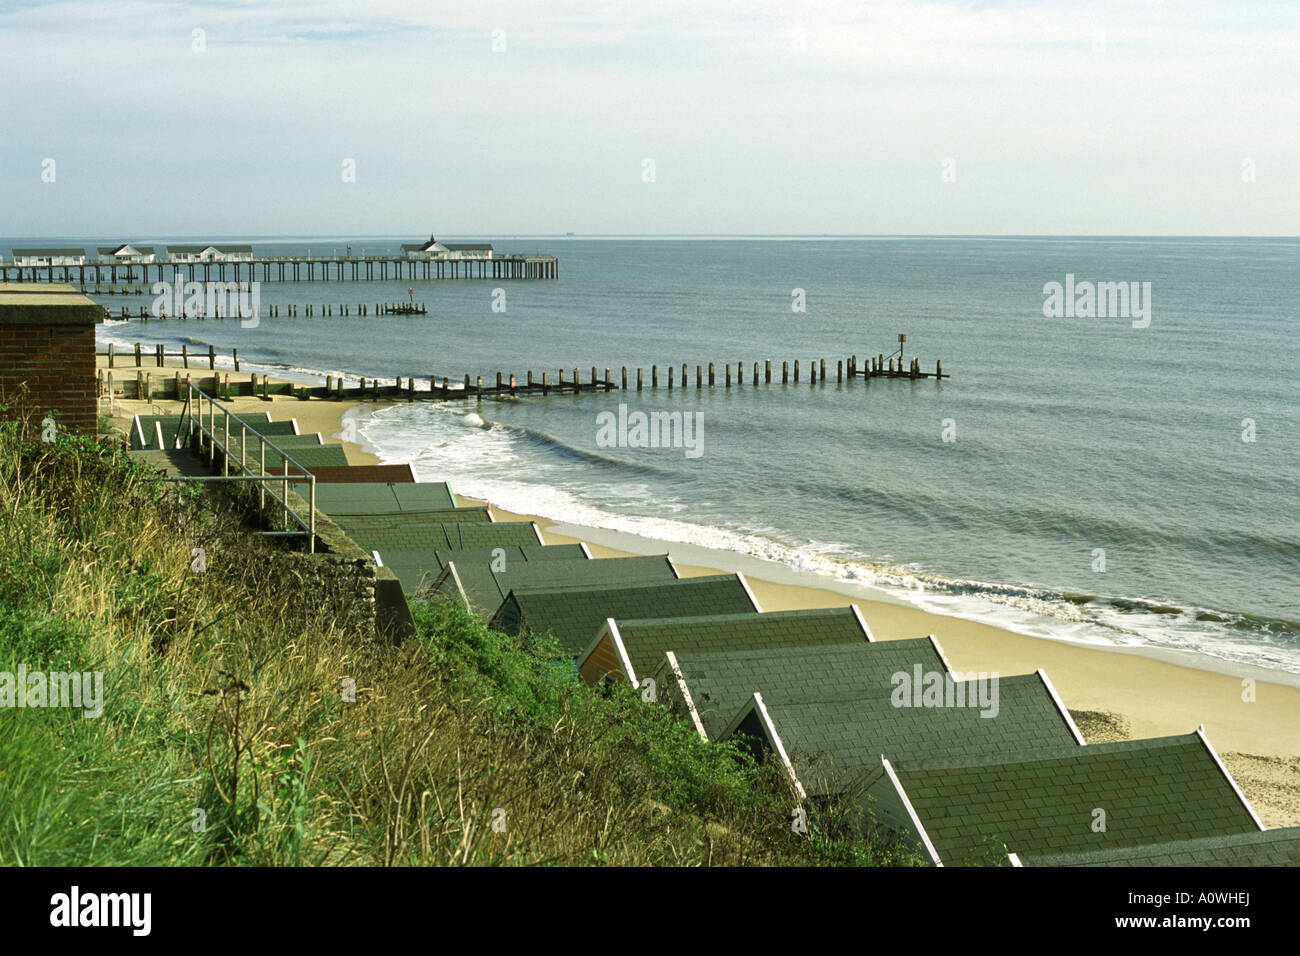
[248, 722]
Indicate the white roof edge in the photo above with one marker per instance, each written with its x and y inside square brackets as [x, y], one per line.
[749, 591]
[676, 669]
[582, 655]
[857, 612]
[621, 649]
[1065, 714]
[911, 811]
[942, 656]
[537, 531]
[1014, 858]
[585, 550]
[460, 588]
[778, 743]
[610, 629]
[1200, 732]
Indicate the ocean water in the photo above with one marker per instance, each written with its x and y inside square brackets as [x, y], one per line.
[1071, 440]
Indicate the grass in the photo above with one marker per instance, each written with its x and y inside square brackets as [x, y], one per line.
[248, 722]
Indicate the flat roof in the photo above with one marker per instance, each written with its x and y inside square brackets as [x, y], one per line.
[46, 303]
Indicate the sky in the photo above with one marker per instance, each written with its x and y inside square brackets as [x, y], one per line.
[144, 118]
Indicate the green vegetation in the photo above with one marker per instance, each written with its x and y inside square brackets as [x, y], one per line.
[247, 720]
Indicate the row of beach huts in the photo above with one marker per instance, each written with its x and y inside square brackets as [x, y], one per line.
[966, 769]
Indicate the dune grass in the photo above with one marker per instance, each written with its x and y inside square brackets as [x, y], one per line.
[247, 721]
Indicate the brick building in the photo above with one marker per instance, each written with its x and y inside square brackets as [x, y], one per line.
[47, 342]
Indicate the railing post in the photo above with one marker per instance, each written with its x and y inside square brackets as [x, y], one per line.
[311, 541]
[261, 485]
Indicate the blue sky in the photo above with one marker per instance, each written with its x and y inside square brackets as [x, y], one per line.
[758, 117]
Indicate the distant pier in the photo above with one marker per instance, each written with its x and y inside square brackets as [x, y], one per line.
[290, 269]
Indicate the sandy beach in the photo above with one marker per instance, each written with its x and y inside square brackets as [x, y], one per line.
[1114, 693]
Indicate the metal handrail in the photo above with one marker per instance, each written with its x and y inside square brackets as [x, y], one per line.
[265, 480]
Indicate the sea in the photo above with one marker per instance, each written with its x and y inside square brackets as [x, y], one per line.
[1125, 479]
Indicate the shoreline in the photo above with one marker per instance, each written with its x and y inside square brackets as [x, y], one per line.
[1115, 692]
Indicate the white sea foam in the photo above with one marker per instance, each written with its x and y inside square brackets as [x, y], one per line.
[488, 461]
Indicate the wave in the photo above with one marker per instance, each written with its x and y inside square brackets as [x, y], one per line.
[549, 444]
[1084, 617]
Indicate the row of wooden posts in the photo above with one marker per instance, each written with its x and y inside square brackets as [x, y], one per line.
[273, 311]
[875, 367]
[160, 356]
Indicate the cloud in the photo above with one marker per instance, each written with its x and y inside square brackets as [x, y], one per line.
[765, 118]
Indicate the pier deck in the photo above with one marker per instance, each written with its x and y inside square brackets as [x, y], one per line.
[292, 269]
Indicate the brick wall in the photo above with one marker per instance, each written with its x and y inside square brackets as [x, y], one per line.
[57, 363]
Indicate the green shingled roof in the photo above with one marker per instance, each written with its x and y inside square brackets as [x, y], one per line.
[309, 440]
[646, 640]
[1279, 847]
[791, 657]
[399, 520]
[1152, 791]
[486, 589]
[171, 423]
[529, 552]
[416, 567]
[445, 537]
[310, 456]
[575, 615]
[427, 538]
[832, 741]
[374, 497]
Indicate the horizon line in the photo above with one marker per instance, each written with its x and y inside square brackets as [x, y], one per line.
[294, 237]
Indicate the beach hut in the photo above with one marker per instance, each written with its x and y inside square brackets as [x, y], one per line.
[364, 474]
[412, 553]
[481, 589]
[636, 649]
[835, 749]
[574, 615]
[146, 429]
[426, 537]
[508, 555]
[416, 523]
[833, 662]
[384, 497]
[1066, 800]
[1279, 847]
